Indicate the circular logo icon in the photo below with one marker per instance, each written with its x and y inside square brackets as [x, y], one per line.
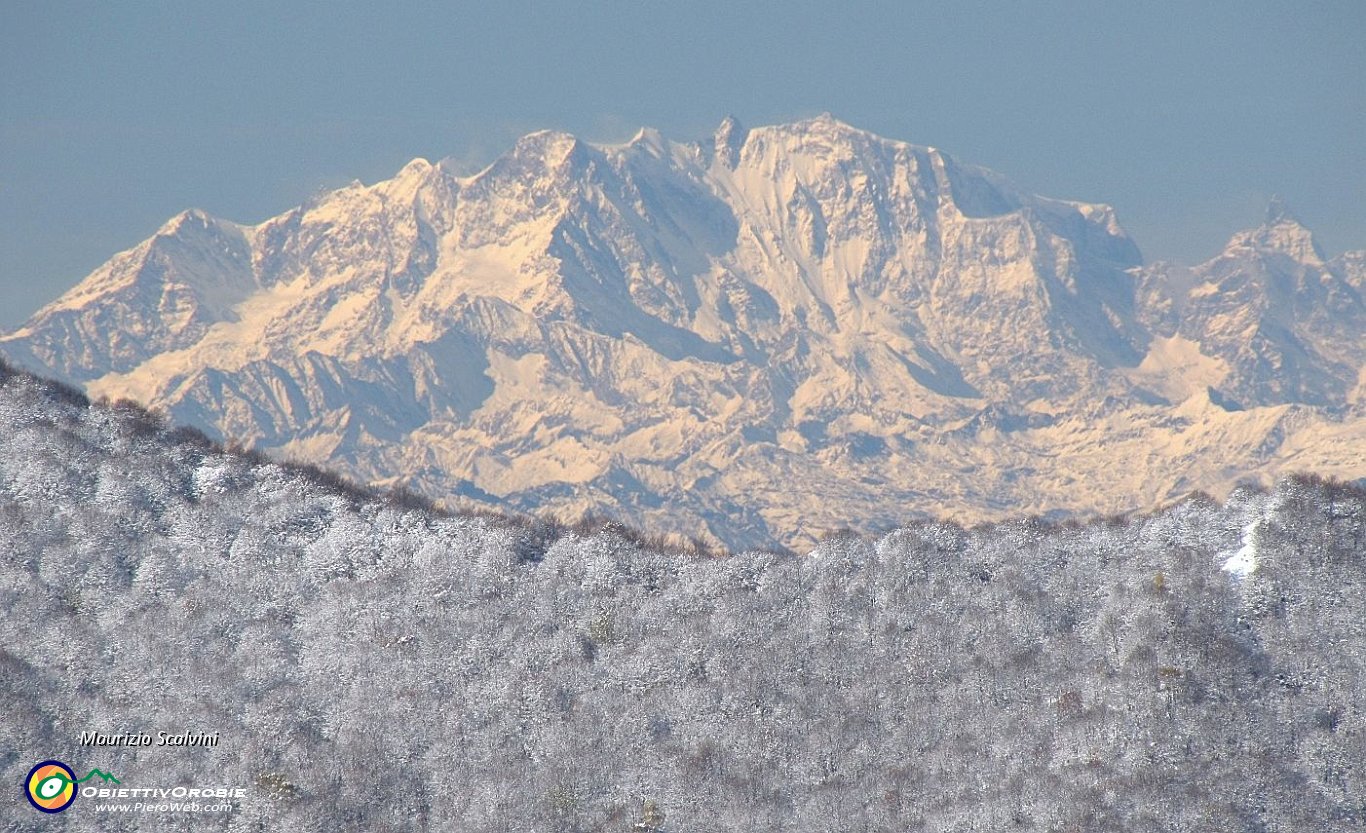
[51, 786]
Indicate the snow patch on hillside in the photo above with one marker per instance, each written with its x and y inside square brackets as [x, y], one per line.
[1242, 562]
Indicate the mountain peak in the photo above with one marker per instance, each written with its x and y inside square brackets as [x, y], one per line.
[826, 124]
[729, 125]
[649, 137]
[537, 153]
[1282, 233]
[417, 167]
[191, 216]
[555, 146]
[826, 118]
[729, 138]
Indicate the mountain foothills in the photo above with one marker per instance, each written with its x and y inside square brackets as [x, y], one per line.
[370, 666]
[755, 339]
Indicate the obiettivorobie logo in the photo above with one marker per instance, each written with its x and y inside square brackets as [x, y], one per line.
[51, 785]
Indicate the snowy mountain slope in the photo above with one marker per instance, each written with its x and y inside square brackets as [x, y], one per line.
[1286, 325]
[755, 337]
[162, 295]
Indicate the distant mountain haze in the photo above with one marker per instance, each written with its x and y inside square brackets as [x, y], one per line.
[755, 339]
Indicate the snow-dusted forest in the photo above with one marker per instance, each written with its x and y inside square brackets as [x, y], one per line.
[370, 665]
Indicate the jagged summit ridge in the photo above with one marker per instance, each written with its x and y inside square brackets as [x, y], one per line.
[756, 336]
[1281, 232]
[1286, 324]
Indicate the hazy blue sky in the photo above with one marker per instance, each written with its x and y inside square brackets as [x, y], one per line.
[1187, 116]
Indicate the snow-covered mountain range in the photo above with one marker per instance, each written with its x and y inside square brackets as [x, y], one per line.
[753, 339]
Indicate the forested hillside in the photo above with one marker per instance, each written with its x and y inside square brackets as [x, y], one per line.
[369, 665]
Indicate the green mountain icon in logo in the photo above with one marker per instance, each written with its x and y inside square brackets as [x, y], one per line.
[104, 775]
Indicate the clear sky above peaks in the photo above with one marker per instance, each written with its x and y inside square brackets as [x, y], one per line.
[1187, 117]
